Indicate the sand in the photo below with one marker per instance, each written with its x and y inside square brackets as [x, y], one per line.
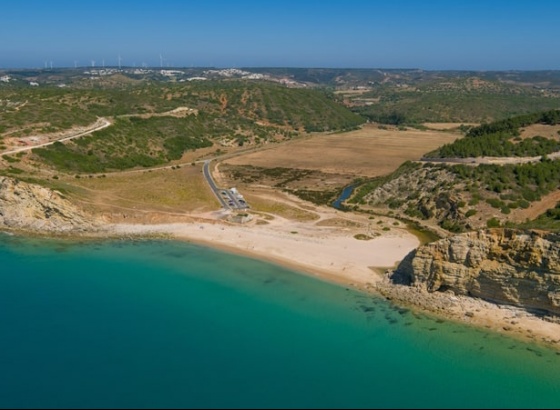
[328, 250]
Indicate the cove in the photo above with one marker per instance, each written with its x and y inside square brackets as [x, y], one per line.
[169, 324]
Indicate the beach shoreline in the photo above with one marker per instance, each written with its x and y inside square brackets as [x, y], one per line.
[334, 255]
[371, 278]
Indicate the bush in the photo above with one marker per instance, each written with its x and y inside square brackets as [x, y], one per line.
[470, 212]
[495, 203]
[493, 223]
[474, 202]
[523, 204]
[451, 226]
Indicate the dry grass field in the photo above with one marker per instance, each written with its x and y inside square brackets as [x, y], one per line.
[180, 191]
[367, 152]
[322, 163]
[444, 126]
[546, 131]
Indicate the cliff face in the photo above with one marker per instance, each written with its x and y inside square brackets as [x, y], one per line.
[35, 208]
[519, 268]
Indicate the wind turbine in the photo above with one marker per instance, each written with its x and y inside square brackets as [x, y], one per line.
[93, 63]
[120, 61]
[160, 61]
[75, 64]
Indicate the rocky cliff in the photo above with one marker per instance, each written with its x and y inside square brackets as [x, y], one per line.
[35, 208]
[505, 266]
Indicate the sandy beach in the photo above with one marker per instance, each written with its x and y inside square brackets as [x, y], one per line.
[328, 249]
[330, 252]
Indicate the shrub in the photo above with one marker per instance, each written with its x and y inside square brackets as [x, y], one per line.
[493, 223]
[470, 212]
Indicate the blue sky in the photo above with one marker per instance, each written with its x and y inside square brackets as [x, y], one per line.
[427, 34]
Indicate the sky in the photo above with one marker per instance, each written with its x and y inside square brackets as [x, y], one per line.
[425, 34]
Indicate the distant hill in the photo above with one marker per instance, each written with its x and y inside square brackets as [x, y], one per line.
[388, 96]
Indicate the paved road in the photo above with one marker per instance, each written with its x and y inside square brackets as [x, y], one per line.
[227, 198]
[210, 180]
[105, 124]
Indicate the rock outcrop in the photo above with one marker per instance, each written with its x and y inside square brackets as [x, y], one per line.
[505, 266]
[34, 208]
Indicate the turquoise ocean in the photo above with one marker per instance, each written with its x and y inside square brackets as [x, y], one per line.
[171, 324]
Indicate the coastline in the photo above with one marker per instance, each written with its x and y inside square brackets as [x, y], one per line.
[328, 254]
[369, 278]
[334, 255]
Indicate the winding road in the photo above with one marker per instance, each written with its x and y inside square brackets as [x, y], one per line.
[103, 123]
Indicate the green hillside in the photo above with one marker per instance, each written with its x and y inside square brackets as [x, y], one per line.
[460, 197]
[502, 139]
[228, 112]
[469, 100]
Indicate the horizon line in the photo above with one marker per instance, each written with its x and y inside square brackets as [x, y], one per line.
[153, 67]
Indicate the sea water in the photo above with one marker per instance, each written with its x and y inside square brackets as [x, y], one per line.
[170, 324]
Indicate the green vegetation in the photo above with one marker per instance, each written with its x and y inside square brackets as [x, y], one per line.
[504, 188]
[453, 194]
[549, 220]
[448, 99]
[494, 139]
[316, 197]
[230, 112]
[236, 112]
[517, 183]
[53, 109]
[493, 223]
[366, 187]
[129, 143]
[470, 212]
[10, 159]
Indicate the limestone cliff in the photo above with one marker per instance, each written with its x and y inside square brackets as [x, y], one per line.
[35, 208]
[506, 266]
